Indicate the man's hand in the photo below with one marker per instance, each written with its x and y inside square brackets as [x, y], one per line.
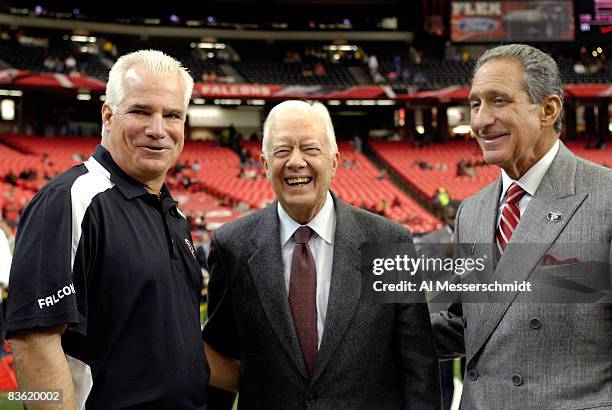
[224, 372]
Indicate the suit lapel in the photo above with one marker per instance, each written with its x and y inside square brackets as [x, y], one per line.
[345, 288]
[266, 267]
[484, 226]
[533, 235]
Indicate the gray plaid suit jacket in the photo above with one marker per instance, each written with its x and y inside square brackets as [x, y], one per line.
[522, 353]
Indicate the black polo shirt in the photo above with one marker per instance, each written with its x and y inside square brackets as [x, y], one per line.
[95, 251]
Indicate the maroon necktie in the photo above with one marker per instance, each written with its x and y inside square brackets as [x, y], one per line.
[510, 217]
[303, 296]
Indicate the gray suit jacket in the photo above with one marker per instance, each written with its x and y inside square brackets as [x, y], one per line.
[371, 355]
[522, 353]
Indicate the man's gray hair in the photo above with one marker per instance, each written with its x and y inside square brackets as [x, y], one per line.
[155, 62]
[293, 106]
[542, 77]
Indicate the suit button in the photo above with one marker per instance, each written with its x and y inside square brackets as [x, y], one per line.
[312, 399]
[535, 323]
[517, 380]
[472, 374]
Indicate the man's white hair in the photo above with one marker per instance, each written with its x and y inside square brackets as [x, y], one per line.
[154, 61]
[303, 107]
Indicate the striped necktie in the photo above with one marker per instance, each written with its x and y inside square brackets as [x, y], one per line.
[510, 217]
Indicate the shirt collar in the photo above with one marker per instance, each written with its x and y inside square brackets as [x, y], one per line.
[129, 187]
[324, 222]
[530, 181]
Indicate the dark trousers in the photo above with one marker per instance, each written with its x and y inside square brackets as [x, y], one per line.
[219, 399]
[446, 382]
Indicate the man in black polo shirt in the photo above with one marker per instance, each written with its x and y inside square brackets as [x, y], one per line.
[105, 286]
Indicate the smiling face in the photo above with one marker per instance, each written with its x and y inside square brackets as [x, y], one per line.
[512, 132]
[145, 132]
[300, 163]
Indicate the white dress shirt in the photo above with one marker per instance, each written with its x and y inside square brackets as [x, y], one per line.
[530, 181]
[321, 245]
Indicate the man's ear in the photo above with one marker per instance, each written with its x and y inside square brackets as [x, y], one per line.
[335, 162]
[264, 163]
[551, 110]
[107, 115]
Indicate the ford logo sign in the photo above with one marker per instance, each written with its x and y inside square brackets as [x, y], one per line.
[477, 24]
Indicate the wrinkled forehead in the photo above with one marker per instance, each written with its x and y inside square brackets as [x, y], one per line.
[499, 75]
[297, 126]
[141, 84]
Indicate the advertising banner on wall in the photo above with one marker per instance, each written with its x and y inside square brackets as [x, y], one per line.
[510, 21]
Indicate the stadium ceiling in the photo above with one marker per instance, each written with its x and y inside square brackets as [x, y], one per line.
[409, 13]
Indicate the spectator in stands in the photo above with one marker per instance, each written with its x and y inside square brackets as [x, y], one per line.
[292, 57]
[49, 63]
[419, 78]
[378, 78]
[382, 175]
[319, 70]
[357, 143]
[392, 76]
[105, 287]
[276, 264]
[396, 202]
[70, 63]
[11, 178]
[373, 64]
[406, 74]
[307, 71]
[209, 76]
[383, 206]
[397, 65]
[423, 165]
[466, 168]
[58, 65]
[546, 220]
[441, 197]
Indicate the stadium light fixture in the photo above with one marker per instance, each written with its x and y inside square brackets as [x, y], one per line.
[83, 39]
[343, 47]
[11, 93]
[227, 101]
[7, 108]
[462, 129]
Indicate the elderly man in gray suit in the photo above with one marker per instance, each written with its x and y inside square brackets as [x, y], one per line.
[290, 324]
[549, 217]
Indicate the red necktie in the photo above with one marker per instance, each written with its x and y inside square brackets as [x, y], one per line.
[303, 296]
[510, 217]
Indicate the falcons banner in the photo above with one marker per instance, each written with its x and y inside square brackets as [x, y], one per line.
[282, 92]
